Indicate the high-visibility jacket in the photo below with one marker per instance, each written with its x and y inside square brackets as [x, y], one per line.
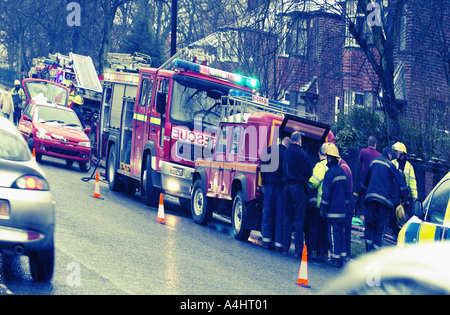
[410, 178]
[316, 182]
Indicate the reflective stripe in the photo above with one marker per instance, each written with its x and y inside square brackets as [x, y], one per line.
[335, 215]
[155, 120]
[139, 117]
[338, 178]
[375, 195]
[380, 162]
[427, 233]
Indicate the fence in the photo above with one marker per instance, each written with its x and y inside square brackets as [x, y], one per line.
[428, 173]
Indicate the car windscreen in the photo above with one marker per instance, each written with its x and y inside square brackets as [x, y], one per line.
[44, 91]
[12, 149]
[54, 115]
[436, 203]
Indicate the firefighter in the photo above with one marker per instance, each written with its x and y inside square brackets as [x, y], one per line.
[366, 155]
[350, 205]
[7, 104]
[297, 170]
[76, 106]
[273, 204]
[407, 170]
[18, 96]
[333, 206]
[381, 180]
[316, 226]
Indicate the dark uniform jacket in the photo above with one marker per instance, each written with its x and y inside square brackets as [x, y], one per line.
[274, 178]
[380, 181]
[335, 194]
[297, 168]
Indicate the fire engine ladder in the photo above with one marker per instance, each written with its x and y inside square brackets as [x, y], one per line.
[238, 108]
[85, 74]
[127, 62]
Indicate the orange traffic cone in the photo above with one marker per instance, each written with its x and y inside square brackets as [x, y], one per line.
[303, 272]
[97, 187]
[34, 152]
[161, 218]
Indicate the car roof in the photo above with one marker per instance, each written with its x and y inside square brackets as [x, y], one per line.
[8, 126]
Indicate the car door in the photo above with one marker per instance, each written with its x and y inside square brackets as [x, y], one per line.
[25, 125]
[140, 118]
[231, 160]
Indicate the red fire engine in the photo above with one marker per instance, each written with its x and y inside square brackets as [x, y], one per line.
[154, 125]
[229, 182]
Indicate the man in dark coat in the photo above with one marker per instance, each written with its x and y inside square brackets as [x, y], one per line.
[380, 181]
[297, 170]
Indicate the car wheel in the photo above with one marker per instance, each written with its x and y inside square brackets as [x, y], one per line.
[200, 211]
[42, 263]
[84, 166]
[113, 180]
[38, 156]
[69, 163]
[238, 215]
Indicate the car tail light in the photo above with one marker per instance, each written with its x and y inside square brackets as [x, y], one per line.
[31, 182]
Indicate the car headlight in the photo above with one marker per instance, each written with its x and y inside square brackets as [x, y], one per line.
[43, 135]
[31, 182]
[86, 144]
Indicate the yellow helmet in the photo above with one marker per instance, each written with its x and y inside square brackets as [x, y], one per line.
[332, 150]
[400, 213]
[16, 82]
[78, 100]
[398, 146]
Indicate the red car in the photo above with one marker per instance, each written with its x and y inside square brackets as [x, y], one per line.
[50, 127]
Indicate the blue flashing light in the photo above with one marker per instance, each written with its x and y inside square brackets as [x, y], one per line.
[236, 78]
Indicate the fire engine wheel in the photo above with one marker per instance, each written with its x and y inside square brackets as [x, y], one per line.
[238, 215]
[200, 211]
[113, 180]
[151, 192]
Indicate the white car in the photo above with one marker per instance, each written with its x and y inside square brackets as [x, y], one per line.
[27, 216]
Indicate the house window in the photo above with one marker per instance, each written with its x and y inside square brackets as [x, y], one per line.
[297, 38]
[353, 99]
[353, 12]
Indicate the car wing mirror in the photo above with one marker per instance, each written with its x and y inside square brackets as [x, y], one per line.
[418, 210]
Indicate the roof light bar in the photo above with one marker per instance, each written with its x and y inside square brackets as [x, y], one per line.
[236, 78]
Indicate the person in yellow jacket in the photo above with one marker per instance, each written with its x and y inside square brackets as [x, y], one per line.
[408, 171]
[316, 229]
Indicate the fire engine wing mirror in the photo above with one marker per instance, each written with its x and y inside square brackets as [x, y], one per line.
[161, 103]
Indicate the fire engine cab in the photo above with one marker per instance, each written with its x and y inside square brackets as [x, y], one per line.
[156, 122]
[229, 182]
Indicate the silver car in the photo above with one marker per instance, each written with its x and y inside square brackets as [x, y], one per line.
[27, 217]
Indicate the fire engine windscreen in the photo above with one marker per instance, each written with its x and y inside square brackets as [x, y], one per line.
[194, 98]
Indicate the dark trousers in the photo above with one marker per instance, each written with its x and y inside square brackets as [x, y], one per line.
[294, 216]
[272, 215]
[16, 115]
[336, 239]
[316, 233]
[376, 219]
[348, 224]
